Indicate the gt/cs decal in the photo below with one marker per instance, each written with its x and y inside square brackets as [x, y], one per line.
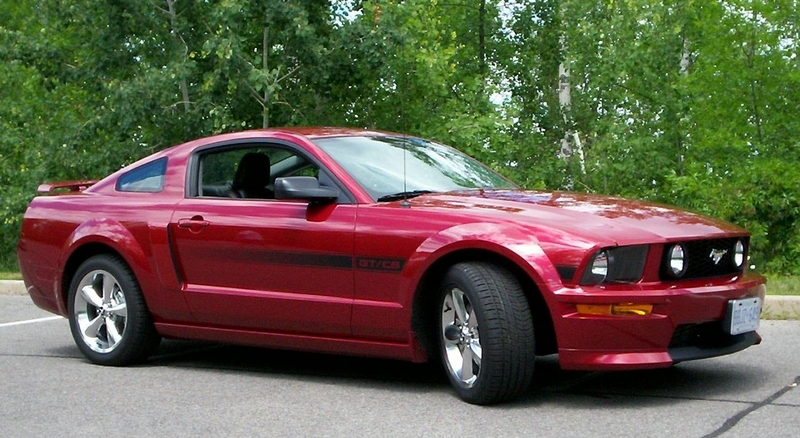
[379, 264]
[334, 261]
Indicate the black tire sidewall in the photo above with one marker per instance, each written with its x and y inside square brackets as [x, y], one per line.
[489, 387]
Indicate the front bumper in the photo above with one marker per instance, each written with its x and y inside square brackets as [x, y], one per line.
[686, 324]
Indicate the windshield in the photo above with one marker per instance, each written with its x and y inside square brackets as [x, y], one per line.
[387, 166]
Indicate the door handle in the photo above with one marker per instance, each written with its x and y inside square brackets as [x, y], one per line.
[195, 224]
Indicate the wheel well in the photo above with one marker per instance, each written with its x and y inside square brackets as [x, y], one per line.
[424, 308]
[76, 259]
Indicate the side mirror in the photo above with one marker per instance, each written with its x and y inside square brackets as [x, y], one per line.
[304, 187]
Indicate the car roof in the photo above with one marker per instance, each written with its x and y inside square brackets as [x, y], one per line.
[324, 131]
[181, 152]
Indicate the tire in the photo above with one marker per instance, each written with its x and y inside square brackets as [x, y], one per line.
[486, 337]
[107, 314]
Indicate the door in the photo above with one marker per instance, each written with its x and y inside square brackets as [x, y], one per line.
[264, 264]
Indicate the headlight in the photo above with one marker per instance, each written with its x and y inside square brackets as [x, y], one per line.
[676, 261]
[738, 254]
[600, 265]
[624, 264]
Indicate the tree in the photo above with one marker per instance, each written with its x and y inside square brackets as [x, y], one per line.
[688, 102]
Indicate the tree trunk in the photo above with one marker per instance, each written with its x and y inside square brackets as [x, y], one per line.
[173, 20]
[482, 67]
[265, 66]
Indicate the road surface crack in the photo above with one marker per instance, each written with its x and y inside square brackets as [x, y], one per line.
[731, 422]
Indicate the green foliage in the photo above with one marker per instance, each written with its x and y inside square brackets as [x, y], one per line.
[762, 196]
[688, 102]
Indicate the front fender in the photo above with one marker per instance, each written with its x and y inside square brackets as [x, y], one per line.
[508, 241]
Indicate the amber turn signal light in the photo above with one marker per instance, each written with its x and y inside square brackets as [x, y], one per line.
[623, 309]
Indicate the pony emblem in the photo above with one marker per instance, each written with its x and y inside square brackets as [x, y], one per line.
[717, 255]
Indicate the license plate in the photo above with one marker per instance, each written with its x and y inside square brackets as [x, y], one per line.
[743, 315]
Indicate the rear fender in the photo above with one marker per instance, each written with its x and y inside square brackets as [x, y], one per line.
[113, 235]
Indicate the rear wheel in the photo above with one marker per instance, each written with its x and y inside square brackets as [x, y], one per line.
[486, 333]
[107, 314]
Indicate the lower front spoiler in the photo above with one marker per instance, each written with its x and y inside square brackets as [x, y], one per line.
[732, 345]
[609, 360]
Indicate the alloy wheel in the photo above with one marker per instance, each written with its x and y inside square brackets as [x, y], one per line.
[100, 311]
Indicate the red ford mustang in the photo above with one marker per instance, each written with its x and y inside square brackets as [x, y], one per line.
[378, 244]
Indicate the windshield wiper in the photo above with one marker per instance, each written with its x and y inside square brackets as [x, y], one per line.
[403, 195]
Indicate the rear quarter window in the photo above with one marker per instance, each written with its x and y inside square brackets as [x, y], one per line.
[148, 178]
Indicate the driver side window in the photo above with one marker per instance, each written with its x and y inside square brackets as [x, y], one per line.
[249, 172]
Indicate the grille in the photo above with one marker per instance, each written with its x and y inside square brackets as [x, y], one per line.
[705, 335]
[700, 263]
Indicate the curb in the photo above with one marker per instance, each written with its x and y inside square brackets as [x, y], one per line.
[781, 307]
[775, 306]
[12, 287]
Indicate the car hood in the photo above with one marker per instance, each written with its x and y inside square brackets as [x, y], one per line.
[600, 219]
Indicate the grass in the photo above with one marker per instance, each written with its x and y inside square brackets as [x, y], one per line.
[10, 276]
[783, 285]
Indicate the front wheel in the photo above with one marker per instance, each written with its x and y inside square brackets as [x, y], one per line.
[486, 333]
[107, 314]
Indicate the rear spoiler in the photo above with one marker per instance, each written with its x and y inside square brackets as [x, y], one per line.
[70, 186]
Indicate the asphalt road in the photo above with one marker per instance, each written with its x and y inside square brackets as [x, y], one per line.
[197, 389]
